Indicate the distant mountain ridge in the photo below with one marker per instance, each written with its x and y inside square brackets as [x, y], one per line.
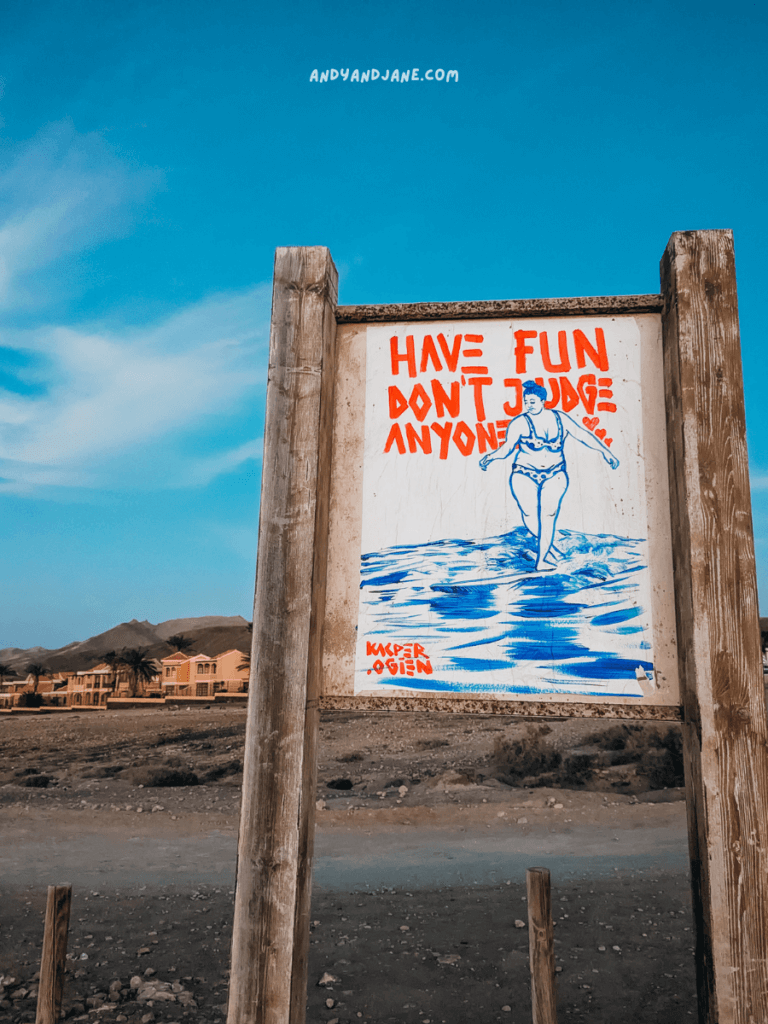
[208, 634]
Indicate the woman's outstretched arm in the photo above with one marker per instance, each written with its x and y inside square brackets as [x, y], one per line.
[578, 433]
[514, 433]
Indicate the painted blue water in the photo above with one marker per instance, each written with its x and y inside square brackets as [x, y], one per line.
[490, 622]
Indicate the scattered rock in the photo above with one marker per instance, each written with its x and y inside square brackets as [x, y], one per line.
[328, 980]
[519, 923]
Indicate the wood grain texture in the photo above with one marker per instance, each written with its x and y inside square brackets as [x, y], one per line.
[517, 709]
[414, 312]
[269, 947]
[541, 947]
[726, 756]
[53, 961]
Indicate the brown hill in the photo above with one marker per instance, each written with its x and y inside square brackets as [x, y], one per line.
[214, 640]
[209, 634]
[184, 626]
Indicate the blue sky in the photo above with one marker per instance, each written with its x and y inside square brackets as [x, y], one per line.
[153, 155]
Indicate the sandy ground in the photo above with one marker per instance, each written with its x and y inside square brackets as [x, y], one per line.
[419, 880]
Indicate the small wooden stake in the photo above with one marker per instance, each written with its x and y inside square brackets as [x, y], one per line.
[54, 958]
[541, 944]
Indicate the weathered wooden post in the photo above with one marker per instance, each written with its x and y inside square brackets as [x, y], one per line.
[541, 947]
[271, 924]
[718, 635]
[53, 961]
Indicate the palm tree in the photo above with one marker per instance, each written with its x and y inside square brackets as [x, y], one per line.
[245, 665]
[114, 661]
[179, 642]
[5, 670]
[140, 669]
[35, 671]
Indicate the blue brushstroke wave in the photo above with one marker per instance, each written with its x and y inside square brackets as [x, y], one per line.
[479, 607]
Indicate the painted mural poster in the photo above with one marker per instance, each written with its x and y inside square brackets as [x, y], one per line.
[505, 521]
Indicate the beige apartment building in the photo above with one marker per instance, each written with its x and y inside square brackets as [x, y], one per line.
[94, 686]
[52, 688]
[91, 687]
[201, 676]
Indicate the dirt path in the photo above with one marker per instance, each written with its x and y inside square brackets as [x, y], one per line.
[354, 848]
[421, 849]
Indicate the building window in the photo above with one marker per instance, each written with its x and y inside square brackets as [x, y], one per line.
[202, 690]
[167, 672]
[200, 669]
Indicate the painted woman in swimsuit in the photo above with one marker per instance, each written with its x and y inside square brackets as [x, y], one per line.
[539, 477]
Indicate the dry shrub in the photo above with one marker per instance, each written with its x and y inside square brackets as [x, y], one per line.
[663, 766]
[340, 784]
[221, 771]
[36, 781]
[525, 756]
[658, 752]
[104, 771]
[576, 770]
[629, 736]
[161, 776]
[217, 732]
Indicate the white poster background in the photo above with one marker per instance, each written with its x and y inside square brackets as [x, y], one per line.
[417, 498]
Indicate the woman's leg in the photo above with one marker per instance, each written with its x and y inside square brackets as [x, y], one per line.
[526, 493]
[550, 497]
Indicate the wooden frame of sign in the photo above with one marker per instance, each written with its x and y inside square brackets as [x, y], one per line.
[306, 657]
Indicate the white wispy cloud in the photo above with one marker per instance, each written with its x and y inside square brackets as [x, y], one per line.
[111, 405]
[109, 394]
[60, 192]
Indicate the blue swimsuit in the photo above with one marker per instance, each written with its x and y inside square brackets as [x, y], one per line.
[534, 444]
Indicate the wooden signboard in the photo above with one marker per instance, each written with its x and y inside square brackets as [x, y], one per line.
[532, 508]
[499, 514]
